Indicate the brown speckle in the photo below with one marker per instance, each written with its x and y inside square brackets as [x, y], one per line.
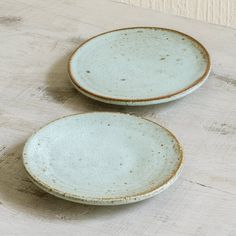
[108, 124]
[163, 58]
[88, 71]
[125, 182]
[123, 80]
[130, 171]
[121, 164]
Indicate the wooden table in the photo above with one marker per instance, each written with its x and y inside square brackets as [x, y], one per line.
[36, 39]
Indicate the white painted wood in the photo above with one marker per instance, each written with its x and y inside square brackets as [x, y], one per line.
[222, 12]
[36, 38]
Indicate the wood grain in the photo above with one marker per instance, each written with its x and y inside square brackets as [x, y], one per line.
[36, 40]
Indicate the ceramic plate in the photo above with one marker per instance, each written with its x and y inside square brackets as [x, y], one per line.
[139, 66]
[103, 158]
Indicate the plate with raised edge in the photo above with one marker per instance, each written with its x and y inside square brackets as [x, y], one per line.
[139, 66]
[103, 158]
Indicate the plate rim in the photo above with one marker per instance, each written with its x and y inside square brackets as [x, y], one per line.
[158, 99]
[120, 200]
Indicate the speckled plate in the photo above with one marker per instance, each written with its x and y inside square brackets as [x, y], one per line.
[103, 158]
[139, 66]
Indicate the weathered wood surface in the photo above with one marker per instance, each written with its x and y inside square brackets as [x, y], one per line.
[36, 38]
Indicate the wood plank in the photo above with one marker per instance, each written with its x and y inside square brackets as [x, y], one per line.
[36, 39]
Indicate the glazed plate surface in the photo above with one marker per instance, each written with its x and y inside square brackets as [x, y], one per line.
[139, 66]
[103, 158]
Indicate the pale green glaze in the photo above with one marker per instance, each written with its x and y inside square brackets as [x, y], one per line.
[139, 66]
[103, 158]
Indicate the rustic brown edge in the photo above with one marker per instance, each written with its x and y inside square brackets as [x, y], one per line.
[79, 87]
[98, 201]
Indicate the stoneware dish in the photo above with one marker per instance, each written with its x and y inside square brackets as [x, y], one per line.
[103, 158]
[139, 66]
